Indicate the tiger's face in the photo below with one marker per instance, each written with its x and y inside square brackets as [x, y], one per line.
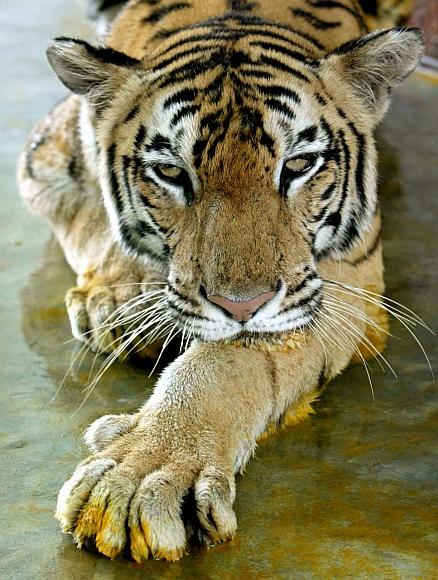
[236, 174]
[233, 190]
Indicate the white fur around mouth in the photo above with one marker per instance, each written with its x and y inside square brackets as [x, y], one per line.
[214, 331]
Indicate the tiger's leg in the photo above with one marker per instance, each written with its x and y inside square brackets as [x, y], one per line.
[57, 179]
[197, 430]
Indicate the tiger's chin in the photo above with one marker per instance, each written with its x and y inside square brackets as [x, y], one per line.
[268, 341]
[266, 336]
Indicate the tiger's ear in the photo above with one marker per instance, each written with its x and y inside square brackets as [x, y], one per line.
[375, 63]
[87, 70]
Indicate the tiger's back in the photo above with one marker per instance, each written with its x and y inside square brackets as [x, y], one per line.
[317, 25]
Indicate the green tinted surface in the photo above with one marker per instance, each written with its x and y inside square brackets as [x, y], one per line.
[351, 492]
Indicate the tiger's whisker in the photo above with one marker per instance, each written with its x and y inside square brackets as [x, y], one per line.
[166, 342]
[377, 299]
[366, 342]
[353, 346]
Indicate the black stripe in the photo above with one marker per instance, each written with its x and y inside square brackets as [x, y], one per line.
[331, 4]
[162, 35]
[329, 191]
[103, 54]
[211, 121]
[324, 197]
[198, 149]
[346, 152]
[351, 233]
[300, 33]
[305, 301]
[181, 297]
[145, 229]
[321, 100]
[214, 37]
[140, 137]
[308, 134]
[126, 165]
[251, 119]
[158, 229]
[253, 25]
[115, 188]
[281, 49]
[179, 56]
[132, 113]
[285, 181]
[184, 112]
[133, 237]
[255, 73]
[278, 91]
[29, 163]
[314, 20]
[369, 252]
[267, 141]
[181, 96]
[320, 215]
[38, 140]
[302, 302]
[328, 131]
[138, 167]
[369, 6]
[280, 107]
[296, 289]
[335, 218]
[159, 142]
[241, 5]
[360, 164]
[73, 169]
[277, 36]
[279, 65]
[214, 144]
[214, 90]
[144, 200]
[160, 13]
[183, 312]
[189, 70]
[322, 377]
[219, 138]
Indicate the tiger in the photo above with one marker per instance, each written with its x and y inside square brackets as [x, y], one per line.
[212, 175]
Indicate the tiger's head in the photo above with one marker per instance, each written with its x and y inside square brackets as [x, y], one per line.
[235, 163]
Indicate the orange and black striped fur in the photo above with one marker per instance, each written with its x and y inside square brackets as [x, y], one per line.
[213, 176]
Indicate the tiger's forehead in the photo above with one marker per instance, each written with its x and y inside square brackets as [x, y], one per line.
[251, 54]
[273, 119]
[208, 88]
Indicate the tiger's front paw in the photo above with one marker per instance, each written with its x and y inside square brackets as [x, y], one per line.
[147, 490]
[102, 310]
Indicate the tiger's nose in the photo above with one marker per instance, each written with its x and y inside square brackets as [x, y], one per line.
[241, 310]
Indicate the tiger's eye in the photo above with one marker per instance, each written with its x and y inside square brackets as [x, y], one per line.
[171, 171]
[299, 164]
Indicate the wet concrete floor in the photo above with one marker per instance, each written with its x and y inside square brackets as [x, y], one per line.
[350, 493]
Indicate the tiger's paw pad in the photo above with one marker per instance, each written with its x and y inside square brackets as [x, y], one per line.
[133, 494]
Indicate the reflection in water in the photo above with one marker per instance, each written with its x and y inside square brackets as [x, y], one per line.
[47, 330]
